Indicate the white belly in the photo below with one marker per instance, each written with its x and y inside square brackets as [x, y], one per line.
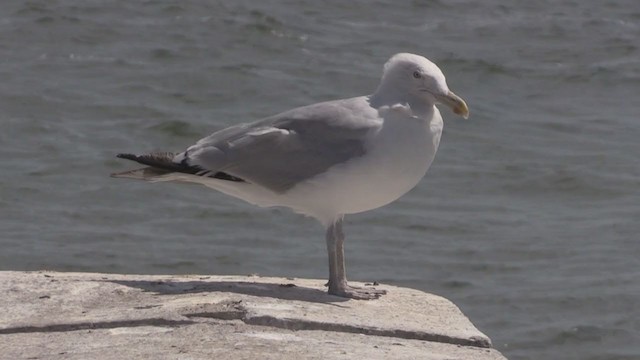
[397, 158]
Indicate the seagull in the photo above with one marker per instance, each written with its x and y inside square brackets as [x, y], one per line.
[324, 160]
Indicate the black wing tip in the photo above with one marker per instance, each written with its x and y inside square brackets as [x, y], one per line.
[128, 156]
[160, 160]
[163, 161]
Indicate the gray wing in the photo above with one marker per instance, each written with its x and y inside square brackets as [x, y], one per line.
[280, 151]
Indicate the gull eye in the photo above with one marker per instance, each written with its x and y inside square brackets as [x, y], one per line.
[416, 74]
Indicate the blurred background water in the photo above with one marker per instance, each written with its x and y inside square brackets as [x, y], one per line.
[528, 219]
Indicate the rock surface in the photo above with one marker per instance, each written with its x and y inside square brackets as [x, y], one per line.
[107, 316]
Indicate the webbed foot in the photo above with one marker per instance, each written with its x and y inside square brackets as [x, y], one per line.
[354, 292]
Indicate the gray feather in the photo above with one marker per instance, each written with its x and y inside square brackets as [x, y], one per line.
[280, 151]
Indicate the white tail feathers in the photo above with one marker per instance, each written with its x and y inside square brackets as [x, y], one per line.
[148, 174]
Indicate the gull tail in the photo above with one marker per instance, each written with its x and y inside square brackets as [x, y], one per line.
[148, 174]
[159, 164]
[162, 167]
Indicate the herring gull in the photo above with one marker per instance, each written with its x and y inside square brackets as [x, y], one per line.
[325, 160]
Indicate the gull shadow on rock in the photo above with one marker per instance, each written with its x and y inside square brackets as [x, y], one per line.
[282, 291]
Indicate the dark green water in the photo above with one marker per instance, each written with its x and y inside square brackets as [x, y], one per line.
[528, 219]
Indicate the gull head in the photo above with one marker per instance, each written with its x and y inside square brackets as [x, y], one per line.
[417, 79]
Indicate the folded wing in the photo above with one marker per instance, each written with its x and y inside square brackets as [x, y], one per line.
[283, 150]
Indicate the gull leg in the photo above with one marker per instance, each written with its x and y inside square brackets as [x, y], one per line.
[337, 273]
[333, 258]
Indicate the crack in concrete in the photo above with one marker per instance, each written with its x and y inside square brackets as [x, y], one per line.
[234, 311]
[239, 313]
[296, 324]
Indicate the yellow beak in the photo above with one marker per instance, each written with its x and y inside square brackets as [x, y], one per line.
[455, 102]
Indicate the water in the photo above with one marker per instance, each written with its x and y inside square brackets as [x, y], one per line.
[528, 219]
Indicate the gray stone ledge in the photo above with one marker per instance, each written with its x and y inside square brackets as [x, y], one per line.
[110, 316]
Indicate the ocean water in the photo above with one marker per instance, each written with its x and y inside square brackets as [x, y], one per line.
[528, 219]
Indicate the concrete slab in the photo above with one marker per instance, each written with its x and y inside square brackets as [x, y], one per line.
[80, 315]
